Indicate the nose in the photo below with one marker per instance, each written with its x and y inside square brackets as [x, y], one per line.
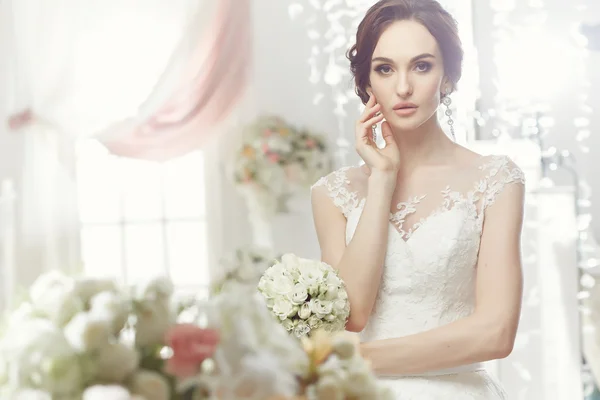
[403, 86]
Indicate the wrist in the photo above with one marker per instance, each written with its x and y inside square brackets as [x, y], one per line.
[383, 180]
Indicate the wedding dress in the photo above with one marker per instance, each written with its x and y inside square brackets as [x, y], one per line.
[430, 265]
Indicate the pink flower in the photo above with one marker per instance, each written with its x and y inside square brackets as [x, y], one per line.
[310, 143]
[191, 345]
[273, 158]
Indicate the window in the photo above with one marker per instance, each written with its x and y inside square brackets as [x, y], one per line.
[141, 218]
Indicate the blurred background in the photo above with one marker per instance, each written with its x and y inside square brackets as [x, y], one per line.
[162, 137]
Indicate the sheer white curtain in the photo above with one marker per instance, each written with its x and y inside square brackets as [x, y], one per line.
[73, 68]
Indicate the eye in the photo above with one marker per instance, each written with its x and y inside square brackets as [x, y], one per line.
[422, 66]
[384, 69]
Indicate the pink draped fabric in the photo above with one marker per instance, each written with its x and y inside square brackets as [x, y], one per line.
[214, 81]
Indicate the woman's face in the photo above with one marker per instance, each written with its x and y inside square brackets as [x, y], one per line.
[407, 74]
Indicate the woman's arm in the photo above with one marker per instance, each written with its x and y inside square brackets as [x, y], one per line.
[487, 334]
[360, 264]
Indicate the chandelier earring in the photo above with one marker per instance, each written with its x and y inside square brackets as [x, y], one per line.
[447, 101]
[374, 130]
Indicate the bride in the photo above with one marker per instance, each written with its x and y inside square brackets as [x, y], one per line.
[426, 234]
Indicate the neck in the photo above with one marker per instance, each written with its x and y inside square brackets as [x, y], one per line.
[425, 145]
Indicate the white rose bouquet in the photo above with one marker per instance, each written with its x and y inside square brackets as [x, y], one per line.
[305, 295]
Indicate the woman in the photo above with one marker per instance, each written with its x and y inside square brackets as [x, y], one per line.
[426, 234]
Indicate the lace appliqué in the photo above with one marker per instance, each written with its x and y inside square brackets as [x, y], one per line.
[337, 185]
[501, 173]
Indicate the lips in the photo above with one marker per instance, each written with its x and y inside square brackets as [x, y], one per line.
[405, 109]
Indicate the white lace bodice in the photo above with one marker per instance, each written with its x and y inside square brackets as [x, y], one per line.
[433, 243]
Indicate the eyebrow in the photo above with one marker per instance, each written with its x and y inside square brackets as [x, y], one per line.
[419, 57]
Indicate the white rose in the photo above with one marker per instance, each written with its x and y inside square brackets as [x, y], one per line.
[333, 279]
[52, 295]
[340, 307]
[311, 277]
[304, 311]
[331, 292]
[314, 321]
[298, 295]
[321, 307]
[106, 392]
[31, 394]
[153, 320]
[283, 308]
[150, 385]
[86, 332]
[116, 362]
[282, 285]
[112, 307]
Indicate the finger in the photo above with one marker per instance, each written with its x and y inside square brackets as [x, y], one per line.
[388, 135]
[375, 120]
[369, 111]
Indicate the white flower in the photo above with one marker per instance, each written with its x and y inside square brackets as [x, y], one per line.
[38, 355]
[329, 388]
[153, 319]
[153, 289]
[283, 308]
[106, 392]
[86, 332]
[86, 288]
[31, 394]
[112, 307]
[314, 321]
[304, 312]
[321, 307]
[53, 296]
[116, 361]
[310, 276]
[298, 294]
[301, 329]
[282, 285]
[150, 385]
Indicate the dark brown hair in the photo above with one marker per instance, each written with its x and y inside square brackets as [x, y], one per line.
[380, 16]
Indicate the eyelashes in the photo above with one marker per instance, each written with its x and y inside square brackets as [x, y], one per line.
[420, 67]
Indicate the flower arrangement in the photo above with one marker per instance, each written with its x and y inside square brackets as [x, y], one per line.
[337, 371]
[275, 159]
[91, 339]
[305, 295]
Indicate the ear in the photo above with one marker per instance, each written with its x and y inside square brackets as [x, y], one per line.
[369, 90]
[447, 87]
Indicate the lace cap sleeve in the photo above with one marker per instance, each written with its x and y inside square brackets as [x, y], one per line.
[338, 187]
[501, 172]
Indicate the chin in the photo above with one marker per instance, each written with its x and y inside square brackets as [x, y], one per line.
[406, 124]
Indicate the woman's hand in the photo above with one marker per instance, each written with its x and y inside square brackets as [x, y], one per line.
[386, 159]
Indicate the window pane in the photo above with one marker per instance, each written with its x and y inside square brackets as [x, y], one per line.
[188, 253]
[144, 251]
[101, 248]
[184, 186]
[98, 184]
[142, 190]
